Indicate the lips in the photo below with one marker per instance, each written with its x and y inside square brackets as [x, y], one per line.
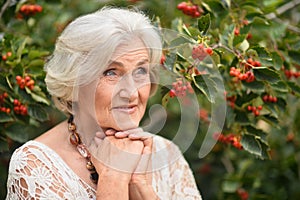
[129, 109]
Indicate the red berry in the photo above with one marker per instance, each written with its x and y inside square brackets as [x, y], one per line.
[236, 31]
[9, 54]
[27, 78]
[249, 108]
[209, 51]
[5, 95]
[162, 59]
[256, 112]
[172, 93]
[23, 8]
[4, 57]
[257, 64]
[38, 8]
[259, 107]
[18, 78]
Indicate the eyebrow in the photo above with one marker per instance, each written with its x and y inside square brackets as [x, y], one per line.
[121, 64]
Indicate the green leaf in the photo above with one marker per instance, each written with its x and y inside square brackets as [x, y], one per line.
[266, 74]
[280, 86]
[33, 54]
[244, 46]
[250, 144]
[257, 132]
[5, 118]
[3, 83]
[36, 63]
[207, 86]
[277, 61]
[165, 100]
[264, 150]
[241, 118]
[38, 112]
[237, 40]
[262, 52]
[204, 23]
[17, 132]
[256, 86]
[3, 146]
[273, 121]
[295, 55]
[294, 87]
[230, 186]
[245, 98]
[179, 41]
[40, 98]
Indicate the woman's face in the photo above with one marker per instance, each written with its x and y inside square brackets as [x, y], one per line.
[124, 87]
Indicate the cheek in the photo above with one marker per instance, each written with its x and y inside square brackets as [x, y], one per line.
[144, 93]
[102, 98]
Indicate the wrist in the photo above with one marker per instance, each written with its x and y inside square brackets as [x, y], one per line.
[112, 175]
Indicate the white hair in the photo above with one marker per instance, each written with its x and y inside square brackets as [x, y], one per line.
[85, 47]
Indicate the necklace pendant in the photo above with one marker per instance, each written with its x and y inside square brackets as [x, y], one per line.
[83, 150]
[75, 139]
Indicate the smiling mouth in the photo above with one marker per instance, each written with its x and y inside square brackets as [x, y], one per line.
[125, 109]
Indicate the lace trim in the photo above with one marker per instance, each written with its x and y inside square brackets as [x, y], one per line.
[38, 172]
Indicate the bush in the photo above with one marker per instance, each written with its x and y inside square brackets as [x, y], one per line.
[240, 60]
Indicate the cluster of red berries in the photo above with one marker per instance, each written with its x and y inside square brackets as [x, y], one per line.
[243, 194]
[180, 88]
[248, 76]
[269, 98]
[19, 108]
[231, 138]
[203, 115]
[2, 99]
[6, 55]
[189, 9]
[252, 63]
[237, 29]
[231, 100]
[289, 74]
[200, 52]
[255, 110]
[30, 9]
[27, 81]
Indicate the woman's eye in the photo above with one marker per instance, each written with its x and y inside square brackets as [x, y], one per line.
[141, 70]
[109, 72]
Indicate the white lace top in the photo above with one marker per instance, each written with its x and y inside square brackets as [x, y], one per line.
[38, 172]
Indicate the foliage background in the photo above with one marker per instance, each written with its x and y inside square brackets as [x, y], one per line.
[269, 165]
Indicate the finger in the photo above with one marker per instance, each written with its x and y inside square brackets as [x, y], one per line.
[97, 140]
[140, 136]
[110, 132]
[122, 134]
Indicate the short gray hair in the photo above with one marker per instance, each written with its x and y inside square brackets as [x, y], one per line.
[84, 49]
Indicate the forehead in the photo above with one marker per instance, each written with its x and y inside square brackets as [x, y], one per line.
[130, 49]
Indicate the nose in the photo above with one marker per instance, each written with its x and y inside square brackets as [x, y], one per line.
[128, 88]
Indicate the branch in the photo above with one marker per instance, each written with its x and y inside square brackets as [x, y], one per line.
[281, 10]
[4, 7]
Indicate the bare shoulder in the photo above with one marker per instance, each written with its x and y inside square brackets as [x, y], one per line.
[55, 136]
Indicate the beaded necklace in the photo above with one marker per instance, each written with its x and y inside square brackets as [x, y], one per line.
[81, 148]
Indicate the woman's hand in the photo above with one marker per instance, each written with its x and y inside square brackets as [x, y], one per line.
[140, 185]
[115, 161]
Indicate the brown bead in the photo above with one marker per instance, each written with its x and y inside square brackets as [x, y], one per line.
[72, 127]
[94, 177]
[75, 139]
[90, 166]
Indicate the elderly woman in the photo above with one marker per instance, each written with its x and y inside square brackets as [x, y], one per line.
[101, 74]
